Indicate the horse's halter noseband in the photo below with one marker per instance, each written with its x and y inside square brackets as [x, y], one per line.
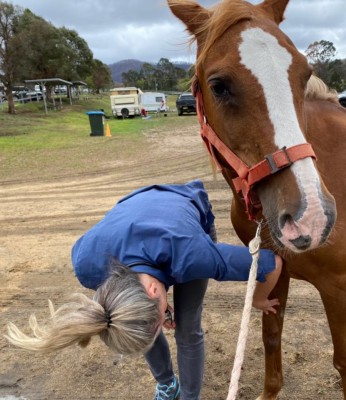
[247, 176]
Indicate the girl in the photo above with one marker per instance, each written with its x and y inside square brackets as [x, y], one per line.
[156, 237]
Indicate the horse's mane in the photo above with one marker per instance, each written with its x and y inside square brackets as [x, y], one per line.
[318, 90]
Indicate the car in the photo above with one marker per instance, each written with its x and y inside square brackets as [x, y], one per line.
[19, 95]
[60, 90]
[186, 102]
[32, 96]
[342, 98]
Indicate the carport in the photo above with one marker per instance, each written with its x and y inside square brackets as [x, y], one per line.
[52, 81]
[77, 85]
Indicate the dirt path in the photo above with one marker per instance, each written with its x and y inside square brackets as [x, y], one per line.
[40, 221]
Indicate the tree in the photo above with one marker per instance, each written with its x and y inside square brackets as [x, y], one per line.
[149, 77]
[131, 78]
[101, 76]
[9, 61]
[168, 74]
[162, 76]
[184, 84]
[320, 54]
[54, 52]
[42, 51]
[337, 75]
[78, 56]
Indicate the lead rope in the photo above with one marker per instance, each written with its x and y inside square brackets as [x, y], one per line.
[254, 247]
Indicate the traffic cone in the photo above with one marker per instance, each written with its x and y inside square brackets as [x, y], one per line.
[108, 131]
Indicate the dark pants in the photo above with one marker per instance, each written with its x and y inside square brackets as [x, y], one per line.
[188, 303]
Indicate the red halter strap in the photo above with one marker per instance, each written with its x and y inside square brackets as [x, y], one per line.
[247, 176]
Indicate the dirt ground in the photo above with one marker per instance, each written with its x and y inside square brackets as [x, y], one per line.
[40, 221]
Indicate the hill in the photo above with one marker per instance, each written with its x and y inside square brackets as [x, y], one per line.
[119, 67]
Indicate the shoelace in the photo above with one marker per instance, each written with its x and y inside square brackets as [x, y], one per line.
[165, 391]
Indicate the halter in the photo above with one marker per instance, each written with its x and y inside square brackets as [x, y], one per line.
[247, 176]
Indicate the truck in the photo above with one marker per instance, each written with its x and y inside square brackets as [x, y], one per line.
[125, 102]
[153, 102]
[186, 102]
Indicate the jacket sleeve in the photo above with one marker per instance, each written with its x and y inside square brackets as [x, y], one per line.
[201, 258]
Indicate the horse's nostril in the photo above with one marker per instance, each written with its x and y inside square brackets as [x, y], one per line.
[285, 218]
[302, 242]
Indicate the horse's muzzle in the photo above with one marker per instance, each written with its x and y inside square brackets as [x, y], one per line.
[305, 230]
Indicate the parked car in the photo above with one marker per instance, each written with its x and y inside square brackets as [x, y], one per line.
[33, 96]
[60, 90]
[342, 98]
[19, 95]
[186, 103]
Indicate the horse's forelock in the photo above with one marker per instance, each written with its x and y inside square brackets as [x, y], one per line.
[223, 16]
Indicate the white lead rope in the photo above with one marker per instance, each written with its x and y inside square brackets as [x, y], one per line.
[254, 247]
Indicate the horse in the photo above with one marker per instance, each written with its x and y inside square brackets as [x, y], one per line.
[280, 143]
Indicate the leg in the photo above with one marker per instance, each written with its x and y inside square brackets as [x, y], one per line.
[336, 310]
[188, 303]
[159, 360]
[271, 332]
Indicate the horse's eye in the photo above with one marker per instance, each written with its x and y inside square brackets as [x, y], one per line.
[219, 89]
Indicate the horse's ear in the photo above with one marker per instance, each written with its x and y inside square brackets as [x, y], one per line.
[190, 13]
[275, 9]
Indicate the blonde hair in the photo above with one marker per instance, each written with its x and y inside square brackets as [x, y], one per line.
[121, 313]
[317, 90]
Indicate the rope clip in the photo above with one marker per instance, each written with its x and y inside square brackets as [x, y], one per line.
[255, 243]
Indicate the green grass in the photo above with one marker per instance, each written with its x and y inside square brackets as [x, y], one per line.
[34, 145]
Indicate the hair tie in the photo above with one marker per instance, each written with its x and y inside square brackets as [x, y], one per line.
[108, 319]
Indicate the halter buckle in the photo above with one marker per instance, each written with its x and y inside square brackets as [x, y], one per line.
[274, 168]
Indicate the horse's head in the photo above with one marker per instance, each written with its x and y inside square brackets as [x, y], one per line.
[252, 81]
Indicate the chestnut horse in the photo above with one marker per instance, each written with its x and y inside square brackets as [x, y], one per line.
[282, 149]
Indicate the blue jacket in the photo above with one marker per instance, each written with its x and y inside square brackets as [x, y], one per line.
[163, 229]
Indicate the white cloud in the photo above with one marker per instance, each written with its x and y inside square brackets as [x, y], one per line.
[146, 29]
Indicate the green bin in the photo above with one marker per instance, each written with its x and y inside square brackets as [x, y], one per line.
[96, 119]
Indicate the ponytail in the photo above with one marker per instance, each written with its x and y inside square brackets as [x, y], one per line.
[73, 322]
[121, 313]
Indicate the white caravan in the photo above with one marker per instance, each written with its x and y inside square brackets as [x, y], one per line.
[125, 102]
[153, 102]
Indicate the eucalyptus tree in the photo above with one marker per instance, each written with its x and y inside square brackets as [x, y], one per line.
[9, 61]
[52, 52]
[101, 76]
[78, 58]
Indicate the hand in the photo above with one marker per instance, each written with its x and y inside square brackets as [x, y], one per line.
[266, 305]
[169, 322]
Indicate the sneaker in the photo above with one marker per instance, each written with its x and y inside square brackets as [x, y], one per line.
[168, 392]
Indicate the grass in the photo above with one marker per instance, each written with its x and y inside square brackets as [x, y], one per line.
[33, 144]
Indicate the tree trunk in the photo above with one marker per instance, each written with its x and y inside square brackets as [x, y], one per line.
[10, 102]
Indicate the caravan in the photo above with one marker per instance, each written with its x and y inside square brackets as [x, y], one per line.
[125, 102]
[153, 102]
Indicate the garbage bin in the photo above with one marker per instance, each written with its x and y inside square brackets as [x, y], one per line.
[96, 119]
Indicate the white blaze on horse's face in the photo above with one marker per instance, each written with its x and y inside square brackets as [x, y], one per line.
[261, 53]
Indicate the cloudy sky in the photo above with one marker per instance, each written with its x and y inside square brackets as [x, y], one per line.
[146, 30]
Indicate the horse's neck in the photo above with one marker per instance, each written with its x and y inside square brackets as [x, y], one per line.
[326, 131]
[325, 124]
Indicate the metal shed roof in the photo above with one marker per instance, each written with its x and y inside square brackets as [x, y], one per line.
[54, 81]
